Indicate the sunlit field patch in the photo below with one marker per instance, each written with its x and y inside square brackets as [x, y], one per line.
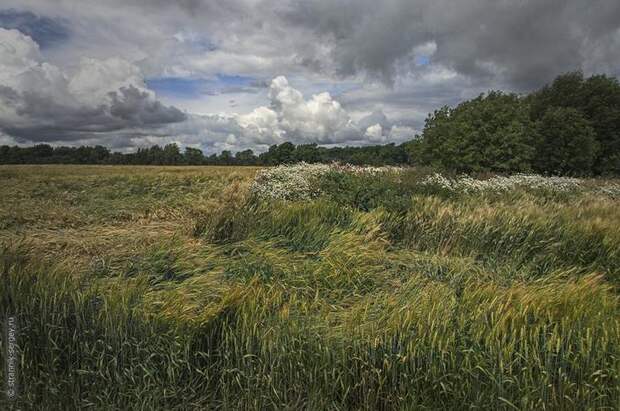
[311, 287]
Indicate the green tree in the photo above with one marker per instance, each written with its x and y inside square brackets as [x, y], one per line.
[194, 156]
[154, 155]
[565, 91]
[413, 151]
[602, 108]
[171, 154]
[307, 152]
[492, 132]
[597, 98]
[567, 143]
[225, 158]
[279, 154]
[212, 159]
[245, 157]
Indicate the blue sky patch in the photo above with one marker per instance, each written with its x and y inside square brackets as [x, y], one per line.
[422, 60]
[234, 80]
[177, 87]
[196, 87]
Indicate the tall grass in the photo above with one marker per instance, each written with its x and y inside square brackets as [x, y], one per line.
[399, 298]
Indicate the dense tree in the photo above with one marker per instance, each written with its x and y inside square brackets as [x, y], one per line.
[279, 154]
[565, 91]
[597, 98]
[579, 117]
[245, 157]
[309, 153]
[171, 154]
[44, 153]
[492, 132]
[193, 156]
[567, 143]
[225, 158]
[413, 151]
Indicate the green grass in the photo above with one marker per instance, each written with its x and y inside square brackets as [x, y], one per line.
[174, 288]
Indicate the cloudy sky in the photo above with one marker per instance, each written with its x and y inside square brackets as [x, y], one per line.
[237, 74]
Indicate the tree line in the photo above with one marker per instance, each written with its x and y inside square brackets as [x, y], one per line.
[171, 154]
[568, 127]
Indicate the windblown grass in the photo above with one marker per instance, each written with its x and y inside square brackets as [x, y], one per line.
[381, 293]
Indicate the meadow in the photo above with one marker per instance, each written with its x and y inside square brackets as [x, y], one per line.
[318, 287]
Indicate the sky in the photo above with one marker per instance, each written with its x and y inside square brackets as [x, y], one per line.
[239, 74]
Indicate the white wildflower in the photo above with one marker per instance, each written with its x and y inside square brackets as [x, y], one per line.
[300, 181]
[500, 184]
[612, 190]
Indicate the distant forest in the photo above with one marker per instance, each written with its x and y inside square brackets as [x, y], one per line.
[170, 154]
[569, 127]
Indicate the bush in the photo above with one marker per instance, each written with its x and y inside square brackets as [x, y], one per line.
[364, 192]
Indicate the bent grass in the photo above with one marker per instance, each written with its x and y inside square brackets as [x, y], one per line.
[214, 299]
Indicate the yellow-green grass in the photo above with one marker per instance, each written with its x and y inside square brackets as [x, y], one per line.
[173, 288]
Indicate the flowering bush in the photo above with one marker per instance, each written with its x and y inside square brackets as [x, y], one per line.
[468, 184]
[612, 190]
[305, 181]
[301, 181]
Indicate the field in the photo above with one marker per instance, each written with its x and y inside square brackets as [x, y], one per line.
[310, 287]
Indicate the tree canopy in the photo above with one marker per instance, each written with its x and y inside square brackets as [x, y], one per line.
[567, 143]
[597, 99]
[492, 132]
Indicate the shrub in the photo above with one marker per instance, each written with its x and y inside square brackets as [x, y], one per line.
[364, 192]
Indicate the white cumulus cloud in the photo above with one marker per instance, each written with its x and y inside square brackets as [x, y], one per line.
[291, 117]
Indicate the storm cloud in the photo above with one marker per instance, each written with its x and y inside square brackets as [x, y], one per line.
[43, 30]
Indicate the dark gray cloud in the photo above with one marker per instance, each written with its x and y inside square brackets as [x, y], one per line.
[376, 117]
[526, 42]
[45, 118]
[138, 109]
[523, 42]
[43, 30]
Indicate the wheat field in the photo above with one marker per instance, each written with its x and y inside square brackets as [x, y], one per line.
[310, 287]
